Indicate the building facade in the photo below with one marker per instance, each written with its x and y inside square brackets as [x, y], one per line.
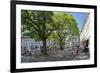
[84, 34]
[29, 44]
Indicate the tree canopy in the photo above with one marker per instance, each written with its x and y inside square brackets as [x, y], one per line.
[47, 25]
[63, 22]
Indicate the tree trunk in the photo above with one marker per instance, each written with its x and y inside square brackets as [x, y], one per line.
[44, 49]
[61, 46]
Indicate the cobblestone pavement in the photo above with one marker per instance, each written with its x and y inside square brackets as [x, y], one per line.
[62, 56]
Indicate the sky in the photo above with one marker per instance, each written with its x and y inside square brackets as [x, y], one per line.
[80, 17]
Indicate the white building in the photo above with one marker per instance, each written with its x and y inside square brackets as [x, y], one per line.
[72, 41]
[27, 43]
[84, 34]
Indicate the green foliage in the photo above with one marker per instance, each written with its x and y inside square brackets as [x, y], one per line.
[38, 23]
[48, 25]
[63, 22]
[73, 25]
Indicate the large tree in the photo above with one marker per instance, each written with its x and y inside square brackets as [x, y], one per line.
[63, 22]
[37, 24]
[43, 25]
